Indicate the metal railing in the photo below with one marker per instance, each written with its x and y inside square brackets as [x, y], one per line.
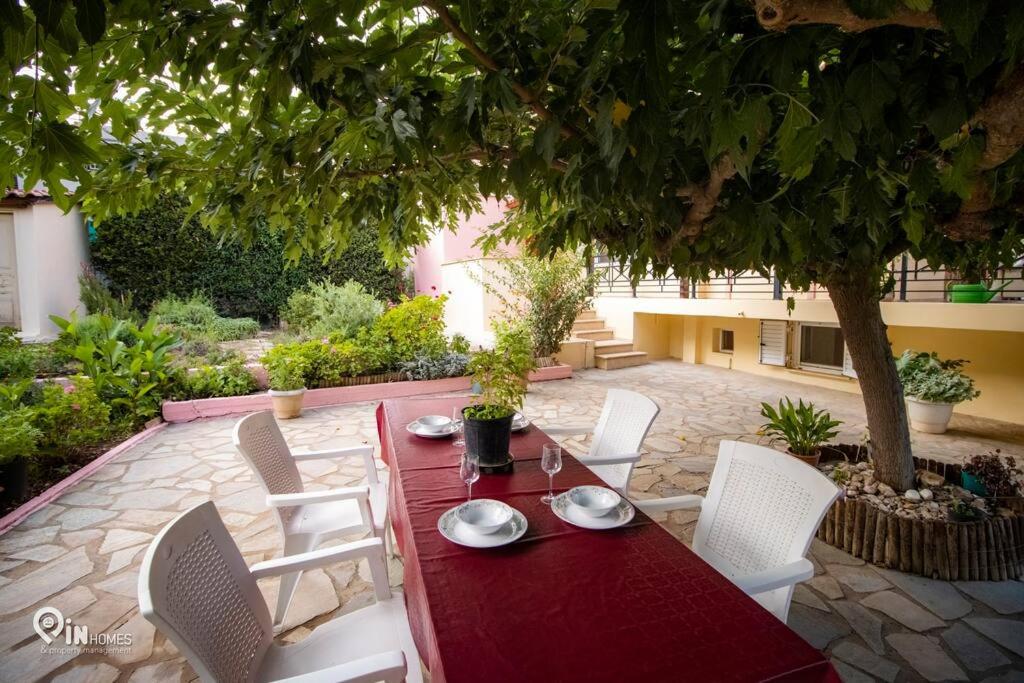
[913, 281]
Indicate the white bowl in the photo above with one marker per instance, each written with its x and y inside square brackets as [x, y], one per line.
[435, 424]
[484, 516]
[594, 500]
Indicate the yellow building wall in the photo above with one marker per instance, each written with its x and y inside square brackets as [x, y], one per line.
[996, 358]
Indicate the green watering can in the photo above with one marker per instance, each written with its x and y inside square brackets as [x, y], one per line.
[976, 293]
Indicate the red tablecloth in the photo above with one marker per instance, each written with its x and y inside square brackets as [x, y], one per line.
[562, 603]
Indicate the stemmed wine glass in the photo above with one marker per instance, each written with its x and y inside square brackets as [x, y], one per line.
[458, 436]
[469, 471]
[551, 462]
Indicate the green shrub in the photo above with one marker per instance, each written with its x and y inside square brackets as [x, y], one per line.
[196, 318]
[232, 379]
[68, 420]
[286, 367]
[17, 362]
[927, 377]
[96, 297]
[157, 253]
[450, 364]
[14, 395]
[18, 436]
[325, 308]
[325, 364]
[90, 329]
[800, 427]
[415, 327]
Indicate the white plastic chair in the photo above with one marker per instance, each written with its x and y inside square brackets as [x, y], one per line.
[306, 518]
[618, 435]
[194, 587]
[756, 524]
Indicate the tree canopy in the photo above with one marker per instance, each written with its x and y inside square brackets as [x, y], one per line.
[808, 135]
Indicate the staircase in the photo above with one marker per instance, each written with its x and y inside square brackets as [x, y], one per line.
[609, 353]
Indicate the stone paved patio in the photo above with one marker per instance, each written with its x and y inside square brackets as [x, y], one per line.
[81, 554]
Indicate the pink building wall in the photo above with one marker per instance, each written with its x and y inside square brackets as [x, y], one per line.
[447, 246]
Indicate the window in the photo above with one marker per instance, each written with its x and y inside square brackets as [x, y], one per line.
[724, 341]
[821, 347]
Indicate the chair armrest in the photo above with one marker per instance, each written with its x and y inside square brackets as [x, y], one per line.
[278, 500]
[568, 431]
[689, 502]
[592, 460]
[347, 452]
[776, 577]
[314, 559]
[384, 666]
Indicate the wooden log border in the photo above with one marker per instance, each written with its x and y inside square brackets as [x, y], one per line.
[986, 550]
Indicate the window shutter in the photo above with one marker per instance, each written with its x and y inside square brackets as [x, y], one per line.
[848, 363]
[773, 343]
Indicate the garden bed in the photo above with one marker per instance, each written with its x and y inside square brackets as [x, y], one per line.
[917, 537]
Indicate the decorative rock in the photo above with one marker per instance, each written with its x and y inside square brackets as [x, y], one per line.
[1007, 633]
[886, 490]
[902, 610]
[871, 489]
[926, 494]
[926, 657]
[860, 579]
[866, 661]
[866, 624]
[930, 479]
[975, 652]
[912, 495]
[938, 596]
[1005, 597]
[851, 492]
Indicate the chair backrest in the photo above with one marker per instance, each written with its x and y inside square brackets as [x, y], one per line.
[761, 511]
[259, 440]
[625, 420]
[194, 587]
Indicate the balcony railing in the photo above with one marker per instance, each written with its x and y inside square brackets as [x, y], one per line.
[913, 281]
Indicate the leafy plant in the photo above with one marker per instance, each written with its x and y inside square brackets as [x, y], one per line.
[450, 364]
[96, 297]
[286, 368]
[548, 293]
[207, 381]
[961, 511]
[414, 327]
[68, 420]
[927, 377]
[459, 344]
[196, 317]
[16, 362]
[999, 474]
[324, 308]
[18, 436]
[501, 372]
[841, 475]
[800, 427]
[14, 395]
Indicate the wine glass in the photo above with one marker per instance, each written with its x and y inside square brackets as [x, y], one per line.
[469, 471]
[458, 436]
[551, 462]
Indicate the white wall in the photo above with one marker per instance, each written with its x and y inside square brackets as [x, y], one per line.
[471, 306]
[51, 248]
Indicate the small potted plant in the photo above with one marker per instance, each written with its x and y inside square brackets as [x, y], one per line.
[803, 429]
[501, 374]
[19, 439]
[286, 374]
[932, 387]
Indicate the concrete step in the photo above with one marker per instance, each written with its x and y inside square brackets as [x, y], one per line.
[606, 333]
[588, 314]
[591, 324]
[606, 346]
[616, 361]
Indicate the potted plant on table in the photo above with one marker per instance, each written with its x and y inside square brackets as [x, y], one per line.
[803, 429]
[932, 387]
[286, 374]
[501, 374]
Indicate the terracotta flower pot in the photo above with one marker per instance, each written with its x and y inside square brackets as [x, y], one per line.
[287, 404]
[811, 460]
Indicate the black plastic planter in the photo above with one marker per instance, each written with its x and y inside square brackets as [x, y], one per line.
[488, 439]
[13, 479]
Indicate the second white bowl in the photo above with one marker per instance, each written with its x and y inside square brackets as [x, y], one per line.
[484, 516]
[594, 500]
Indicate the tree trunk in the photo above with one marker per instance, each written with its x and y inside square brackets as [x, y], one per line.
[855, 298]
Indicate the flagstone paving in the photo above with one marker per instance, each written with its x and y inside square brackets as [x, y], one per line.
[81, 553]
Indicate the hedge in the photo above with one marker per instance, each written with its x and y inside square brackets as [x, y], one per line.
[155, 253]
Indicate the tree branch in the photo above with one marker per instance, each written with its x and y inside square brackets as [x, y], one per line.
[779, 15]
[703, 199]
[525, 95]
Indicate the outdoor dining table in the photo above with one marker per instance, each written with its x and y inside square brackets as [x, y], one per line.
[564, 603]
